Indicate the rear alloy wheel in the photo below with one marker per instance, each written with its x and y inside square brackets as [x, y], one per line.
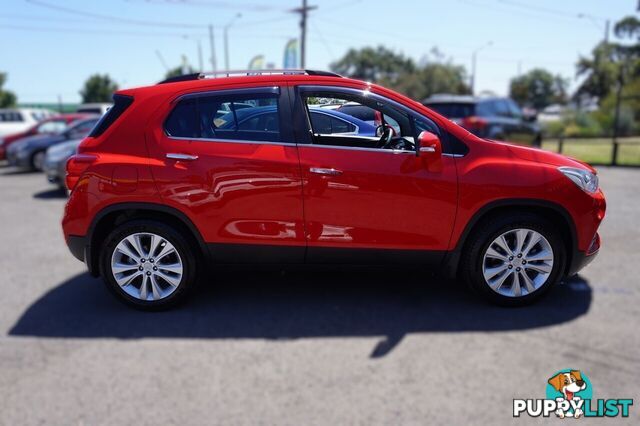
[513, 259]
[148, 265]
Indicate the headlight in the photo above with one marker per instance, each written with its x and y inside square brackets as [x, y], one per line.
[586, 180]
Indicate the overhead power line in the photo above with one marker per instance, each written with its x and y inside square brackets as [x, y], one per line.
[212, 3]
[111, 18]
[100, 31]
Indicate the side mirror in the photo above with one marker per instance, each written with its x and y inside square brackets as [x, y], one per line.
[429, 144]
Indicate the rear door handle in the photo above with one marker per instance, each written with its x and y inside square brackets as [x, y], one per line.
[326, 172]
[181, 157]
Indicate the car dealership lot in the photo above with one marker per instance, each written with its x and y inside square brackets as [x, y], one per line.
[301, 347]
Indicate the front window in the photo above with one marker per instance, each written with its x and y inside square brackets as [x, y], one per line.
[360, 120]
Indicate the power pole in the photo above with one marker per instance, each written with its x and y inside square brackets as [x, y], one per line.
[303, 11]
[212, 44]
[200, 56]
[606, 32]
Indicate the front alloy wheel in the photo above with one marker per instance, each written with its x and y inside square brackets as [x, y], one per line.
[513, 258]
[518, 262]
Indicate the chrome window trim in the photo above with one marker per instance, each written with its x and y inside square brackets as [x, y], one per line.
[178, 138]
[357, 148]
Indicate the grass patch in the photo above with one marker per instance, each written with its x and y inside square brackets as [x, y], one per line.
[598, 150]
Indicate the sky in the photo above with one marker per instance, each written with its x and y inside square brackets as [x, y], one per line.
[50, 47]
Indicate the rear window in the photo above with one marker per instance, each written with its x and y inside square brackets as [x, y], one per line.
[120, 104]
[242, 116]
[453, 110]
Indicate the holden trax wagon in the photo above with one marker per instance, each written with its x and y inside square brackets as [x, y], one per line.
[182, 176]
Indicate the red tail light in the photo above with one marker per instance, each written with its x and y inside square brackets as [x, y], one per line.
[76, 165]
[474, 124]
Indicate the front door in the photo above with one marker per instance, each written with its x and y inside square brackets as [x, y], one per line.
[367, 196]
[227, 159]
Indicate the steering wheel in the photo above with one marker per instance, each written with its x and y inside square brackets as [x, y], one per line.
[386, 137]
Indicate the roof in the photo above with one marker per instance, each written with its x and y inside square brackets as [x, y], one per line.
[245, 73]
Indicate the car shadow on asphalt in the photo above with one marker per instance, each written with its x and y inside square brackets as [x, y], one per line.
[293, 305]
[51, 194]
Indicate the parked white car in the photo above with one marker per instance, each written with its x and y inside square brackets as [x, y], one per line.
[15, 120]
[95, 108]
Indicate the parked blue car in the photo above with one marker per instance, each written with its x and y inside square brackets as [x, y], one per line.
[324, 121]
[29, 153]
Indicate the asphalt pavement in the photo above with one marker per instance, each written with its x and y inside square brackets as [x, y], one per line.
[301, 347]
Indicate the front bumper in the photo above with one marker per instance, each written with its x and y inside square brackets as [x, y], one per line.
[52, 170]
[581, 259]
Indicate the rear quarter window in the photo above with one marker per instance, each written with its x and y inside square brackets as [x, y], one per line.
[120, 105]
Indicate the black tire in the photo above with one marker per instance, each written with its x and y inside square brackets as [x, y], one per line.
[180, 243]
[471, 267]
[37, 160]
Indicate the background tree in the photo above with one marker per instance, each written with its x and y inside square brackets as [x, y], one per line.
[98, 88]
[380, 65]
[7, 99]
[538, 88]
[178, 71]
[373, 64]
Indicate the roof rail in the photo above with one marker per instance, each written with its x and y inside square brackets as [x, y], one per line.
[238, 73]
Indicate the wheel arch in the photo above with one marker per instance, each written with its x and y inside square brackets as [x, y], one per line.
[547, 209]
[116, 214]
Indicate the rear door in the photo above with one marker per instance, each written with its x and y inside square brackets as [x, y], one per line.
[238, 180]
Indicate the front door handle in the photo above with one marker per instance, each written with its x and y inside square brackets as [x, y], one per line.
[326, 172]
[181, 157]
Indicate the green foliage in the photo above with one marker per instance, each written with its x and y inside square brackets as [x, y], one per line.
[538, 88]
[98, 88]
[7, 99]
[394, 70]
[178, 71]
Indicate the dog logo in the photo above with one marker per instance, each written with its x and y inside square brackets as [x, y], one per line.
[569, 384]
[570, 394]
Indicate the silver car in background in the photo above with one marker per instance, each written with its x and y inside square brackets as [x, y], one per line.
[55, 161]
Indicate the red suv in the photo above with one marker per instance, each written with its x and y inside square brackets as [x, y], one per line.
[177, 177]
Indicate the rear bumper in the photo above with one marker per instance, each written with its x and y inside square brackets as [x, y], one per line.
[79, 248]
